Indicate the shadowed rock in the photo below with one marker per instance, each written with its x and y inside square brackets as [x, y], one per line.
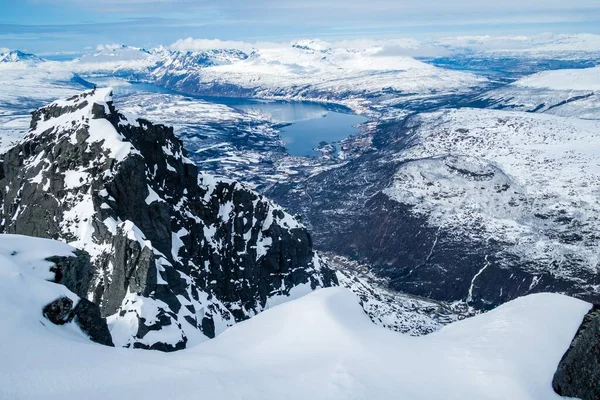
[578, 373]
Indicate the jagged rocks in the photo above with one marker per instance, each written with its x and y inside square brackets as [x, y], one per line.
[75, 272]
[60, 311]
[175, 256]
[85, 314]
[578, 373]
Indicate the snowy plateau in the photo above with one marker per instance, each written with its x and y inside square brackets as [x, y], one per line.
[157, 233]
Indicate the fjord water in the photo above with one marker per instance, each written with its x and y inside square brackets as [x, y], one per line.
[303, 136]
[308, 124]
[304, 125]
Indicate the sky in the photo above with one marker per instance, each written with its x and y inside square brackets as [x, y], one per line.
[52, 26]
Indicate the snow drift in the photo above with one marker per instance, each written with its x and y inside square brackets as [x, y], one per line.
[321, 346]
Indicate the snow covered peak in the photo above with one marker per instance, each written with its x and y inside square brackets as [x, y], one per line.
[313, 44]
[115, 59]
[178, 257]
[17, 56]
[110, 53]
[83, 113]
[86, 99]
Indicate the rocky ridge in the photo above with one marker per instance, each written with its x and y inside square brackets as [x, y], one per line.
[175, 256]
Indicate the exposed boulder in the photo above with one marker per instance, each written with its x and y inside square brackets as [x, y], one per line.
[85, 314]
[578, 373]
[60, 311]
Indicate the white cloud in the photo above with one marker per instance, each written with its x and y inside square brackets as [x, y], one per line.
[191, 44]
[4, 50]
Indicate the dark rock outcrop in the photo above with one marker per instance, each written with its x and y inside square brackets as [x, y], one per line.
[85, 314]
[60, 311]
[168, 247]
[578, 373]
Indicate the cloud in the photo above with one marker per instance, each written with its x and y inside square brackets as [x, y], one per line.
[110, 46]
[4, 49]
[191, 44]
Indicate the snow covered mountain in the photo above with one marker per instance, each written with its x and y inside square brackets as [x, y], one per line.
[565, 92]
[16, 56]
[547, 45]
[310, 70]
[174, 256]
[169, 255]
[117, 60]
[467, 204]
[360, 78]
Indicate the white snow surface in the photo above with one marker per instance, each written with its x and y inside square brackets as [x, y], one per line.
[490, 174]
[320, 346]
[585, 79]
[563, 92]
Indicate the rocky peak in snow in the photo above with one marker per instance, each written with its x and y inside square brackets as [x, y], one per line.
[176, 256]
[192, 60]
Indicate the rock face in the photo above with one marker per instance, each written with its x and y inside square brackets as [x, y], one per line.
[173, 255]
[578, 373]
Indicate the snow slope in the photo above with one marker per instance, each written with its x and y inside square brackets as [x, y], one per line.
[563, 92]
[529, 181]
[587, 79]
[25, 290]
[321, 346]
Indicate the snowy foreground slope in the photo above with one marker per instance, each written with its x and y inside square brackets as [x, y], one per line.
[565, 92]
[321, 346]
